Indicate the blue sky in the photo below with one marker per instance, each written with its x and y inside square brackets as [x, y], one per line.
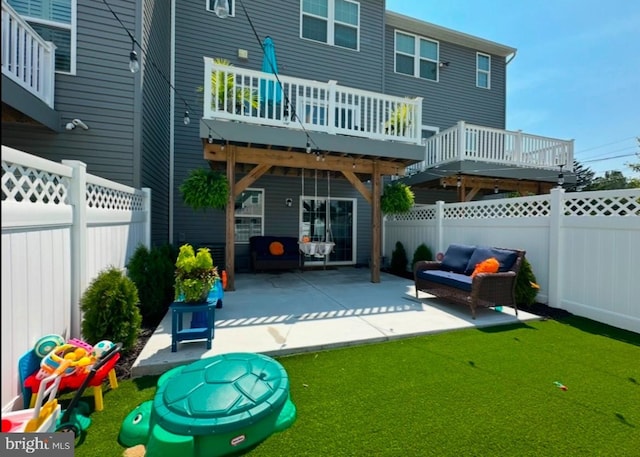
[576, 74]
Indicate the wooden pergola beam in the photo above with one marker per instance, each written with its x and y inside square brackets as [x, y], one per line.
[471, 185]
[293, 159]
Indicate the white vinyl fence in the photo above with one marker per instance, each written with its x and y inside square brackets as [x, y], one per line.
[584, 247]
[60, 227]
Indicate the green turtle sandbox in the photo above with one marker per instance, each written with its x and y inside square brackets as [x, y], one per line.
[213, 407]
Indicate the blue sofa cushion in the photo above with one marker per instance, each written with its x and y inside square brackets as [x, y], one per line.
[506, 258]
[457, 258]
[447, 278]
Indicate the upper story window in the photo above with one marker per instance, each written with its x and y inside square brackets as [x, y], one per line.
[416, 56]
[232, 6]
[335, 22]
[483, 70]
[53, 20]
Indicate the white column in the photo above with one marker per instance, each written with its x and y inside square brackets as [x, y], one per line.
[147, 212]
[439, 233]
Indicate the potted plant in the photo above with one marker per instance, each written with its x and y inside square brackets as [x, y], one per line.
[195, 274]
[223, 89]
[397, 198]
[398, 122]
[205, 188]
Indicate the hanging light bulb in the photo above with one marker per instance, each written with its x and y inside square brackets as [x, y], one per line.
[222, 144]
[210, 140]
[134, 65]
[308, 147]
[495, 187]
[221, 8]
[459, 181]
[285, 116]
[561, 177]
[186, 119]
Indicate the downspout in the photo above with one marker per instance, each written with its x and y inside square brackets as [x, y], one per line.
[513, 56]
[172, 103]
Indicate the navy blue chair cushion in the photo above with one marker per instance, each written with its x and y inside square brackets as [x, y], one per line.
[447, 278]
[506, 258]
[457, 258]
[260, 245]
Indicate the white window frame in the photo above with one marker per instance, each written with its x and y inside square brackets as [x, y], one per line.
[232, 6]
[416, 55]
[239, 215]
[479, 71]
[429, 128]
[62, 25]
[331, 22]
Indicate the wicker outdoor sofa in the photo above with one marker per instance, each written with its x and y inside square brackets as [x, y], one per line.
[451, 278]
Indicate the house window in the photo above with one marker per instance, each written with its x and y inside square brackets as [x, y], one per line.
[53, 20]
[232, 6]
[416, 56]
[483, 70]
[335, 22]
[249, 215]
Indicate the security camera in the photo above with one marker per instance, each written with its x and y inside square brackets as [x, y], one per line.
[70, 126]
[79, 123]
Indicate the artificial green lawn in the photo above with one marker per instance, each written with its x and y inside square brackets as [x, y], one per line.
[478, 392]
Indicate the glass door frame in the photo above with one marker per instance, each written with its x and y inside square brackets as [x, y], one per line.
[354, 231]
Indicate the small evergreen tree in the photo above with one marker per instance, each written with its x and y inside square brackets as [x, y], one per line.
[399, 260]
[526, 286]
[422, 252]
[110, 307]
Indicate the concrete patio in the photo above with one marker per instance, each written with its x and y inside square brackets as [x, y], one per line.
[291, 312]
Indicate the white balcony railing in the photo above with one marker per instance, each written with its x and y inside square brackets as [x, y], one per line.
[27, 59]
[256, 97]
[471, 142]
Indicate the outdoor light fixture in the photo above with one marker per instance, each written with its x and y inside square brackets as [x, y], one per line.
[134, 65]
[560, 176]
[288, 202]
[221, 8]
[443, 64]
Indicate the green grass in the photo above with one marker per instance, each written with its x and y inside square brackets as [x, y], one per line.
[480, 392]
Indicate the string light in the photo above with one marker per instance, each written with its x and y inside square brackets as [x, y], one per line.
[210, 139]
[495, 187]
[459, 181]
[308, 147]
[134, 64]
[560, 176]
[187, 119]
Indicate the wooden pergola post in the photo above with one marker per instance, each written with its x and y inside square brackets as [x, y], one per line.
[230, 246]
[376, 223]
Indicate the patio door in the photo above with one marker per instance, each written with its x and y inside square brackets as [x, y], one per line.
[329, 219]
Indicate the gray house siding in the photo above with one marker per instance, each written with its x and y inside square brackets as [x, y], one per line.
[455, 96]
[156, 112]
[296, 57]
[100, 93]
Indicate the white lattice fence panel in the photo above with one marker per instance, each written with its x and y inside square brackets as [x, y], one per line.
[498, 209]
[101, 197]
[25, 184]
[625, 202]
[418, 213]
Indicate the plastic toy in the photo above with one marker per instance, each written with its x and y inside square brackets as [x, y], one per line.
[560, 385]
[216, 406]
[81, 357]
[75, 418]
[42, 418]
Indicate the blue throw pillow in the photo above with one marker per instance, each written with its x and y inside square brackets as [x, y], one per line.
[481, 254]
[457, 257]
[505, 257]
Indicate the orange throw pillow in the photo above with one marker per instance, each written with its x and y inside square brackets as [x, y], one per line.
[276, 248]
[491, 265]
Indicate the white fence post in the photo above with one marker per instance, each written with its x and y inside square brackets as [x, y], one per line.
[147, 210]
[439, 222]
[77, 198]
[555, 239]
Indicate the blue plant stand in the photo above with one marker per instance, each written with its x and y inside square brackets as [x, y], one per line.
[202, 318]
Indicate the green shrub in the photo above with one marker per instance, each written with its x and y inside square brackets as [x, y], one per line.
[397, 198]
[110, 307]
[422, 252]
[399, 260]
[526, 286]
[152, 272]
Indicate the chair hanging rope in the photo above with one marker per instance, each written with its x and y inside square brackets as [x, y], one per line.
[317, 248]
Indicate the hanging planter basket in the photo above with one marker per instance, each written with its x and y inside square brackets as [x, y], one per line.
[397, 198]
[205, 189]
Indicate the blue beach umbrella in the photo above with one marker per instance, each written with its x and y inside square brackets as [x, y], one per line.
[270, 90]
